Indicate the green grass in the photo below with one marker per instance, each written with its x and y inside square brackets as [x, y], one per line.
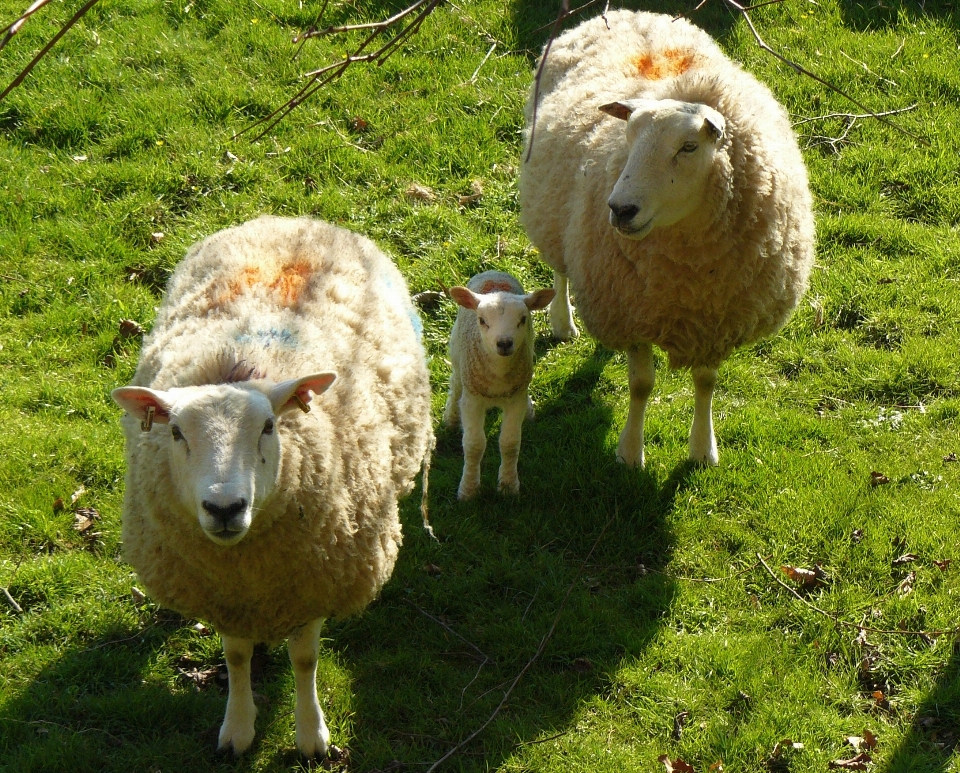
[125, 131]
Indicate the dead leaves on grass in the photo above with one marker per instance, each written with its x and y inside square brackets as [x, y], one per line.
[807, 578]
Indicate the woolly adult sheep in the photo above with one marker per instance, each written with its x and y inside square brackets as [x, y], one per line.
[687, 223]
[491, 358]
[248, 504]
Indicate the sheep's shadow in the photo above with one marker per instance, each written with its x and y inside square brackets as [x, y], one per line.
[96, 709]
[875, 16]
[931, 742]
[462, 617]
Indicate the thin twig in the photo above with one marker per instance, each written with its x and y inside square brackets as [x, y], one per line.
[6, 593]
[473, 78]
[14, 27]
[553, 737]
[567, 14]
[446, 627]
[854, 116]
[119, 641]
[858, 626]
[564, 10]
[52, 42]
[529, 665]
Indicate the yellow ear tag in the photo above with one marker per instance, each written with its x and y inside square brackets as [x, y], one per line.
[302, 405]
[147, 424]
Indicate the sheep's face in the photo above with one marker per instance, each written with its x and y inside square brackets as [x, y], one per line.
[672, 147]
[503, 318]
[222, 445]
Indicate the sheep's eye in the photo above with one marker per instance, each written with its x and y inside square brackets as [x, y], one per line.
[523, 320]
[175, 431]
[483, 321]
[268, 427]
[689, 147]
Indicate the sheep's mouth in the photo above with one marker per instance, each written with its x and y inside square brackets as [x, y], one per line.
[636, 233]
[226, 536]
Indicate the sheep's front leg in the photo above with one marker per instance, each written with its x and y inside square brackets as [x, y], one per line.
[451, 411]
[703, 444]
[511, 426]
[641, 375]
[561, 315]
[236, 733]
[313, 737]
[472, 413]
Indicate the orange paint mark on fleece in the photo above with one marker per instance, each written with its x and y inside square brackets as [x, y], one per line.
[668, 63]
[495, 286]
[291, 282]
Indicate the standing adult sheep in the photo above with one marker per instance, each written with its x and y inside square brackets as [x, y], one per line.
[687, 223]
[248, 503]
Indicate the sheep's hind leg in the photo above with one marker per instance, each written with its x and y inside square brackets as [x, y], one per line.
[641, 375]
[472, 414]
[703, 443]
[451, 411]
[511, 427]
[313, 737]
[237, 731]
[561, 315]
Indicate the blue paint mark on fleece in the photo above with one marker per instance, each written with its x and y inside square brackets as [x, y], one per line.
[284, 339]
[412, 315]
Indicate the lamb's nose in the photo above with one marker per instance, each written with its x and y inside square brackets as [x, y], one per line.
[224, 513]
[504, 346]
[625, 213]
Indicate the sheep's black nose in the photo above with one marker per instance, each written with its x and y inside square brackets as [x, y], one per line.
[625, 213]
[504, 345]
[223, 513]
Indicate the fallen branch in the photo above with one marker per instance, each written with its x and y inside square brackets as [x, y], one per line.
[5, 590]
[540, 649]
[858, 626]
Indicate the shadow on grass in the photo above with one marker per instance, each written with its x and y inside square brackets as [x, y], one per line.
[931, 741]
[91, 710]
[863, 16]
[464, 616]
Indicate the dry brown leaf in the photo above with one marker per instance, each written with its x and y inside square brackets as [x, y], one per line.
[717, 766]
[906, 558]
[477, 187]
[805, 577]
[856, 536]
[358, 124]
[854, 763]
[201, 629]
[138, 595]
[869, 740]
[582, 665]
[855, 741]
[201, 678]
[781, 746]
[420, 193]
[58, 505]
[433, 570]
[428, 299]
[84, 518]
[678, 722]
[675, 766]
[905, 588]
[130, 329]
[943, 565]
[951, 457]
[878, 478]
[77, 494]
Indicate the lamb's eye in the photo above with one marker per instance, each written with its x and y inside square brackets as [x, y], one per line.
[689, 147]
[175, 431]
[268, 427]
[523, 320]
[483, 322]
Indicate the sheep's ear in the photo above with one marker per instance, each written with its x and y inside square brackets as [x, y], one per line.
[138, 400]
[624, 109]
[464, 297]
[539, 299]
[298, 392]
[714, 123]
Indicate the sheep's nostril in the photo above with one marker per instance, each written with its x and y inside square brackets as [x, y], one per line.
[504, 345]
[625, 213]
[223, 513]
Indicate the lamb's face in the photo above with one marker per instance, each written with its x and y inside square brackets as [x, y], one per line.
[503, 318]
[222, 445]
[672, 147]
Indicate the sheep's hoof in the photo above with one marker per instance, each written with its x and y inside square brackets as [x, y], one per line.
[510, 487]
[566, 333]
[630, 454]
[709, 459]
[234, 744]
[316, 745]
[467, 492]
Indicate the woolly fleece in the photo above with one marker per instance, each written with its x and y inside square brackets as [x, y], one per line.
[286, 297]
[725, 276]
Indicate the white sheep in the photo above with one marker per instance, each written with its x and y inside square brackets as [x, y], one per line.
[491, 358]
[688, 225]
[247, 506]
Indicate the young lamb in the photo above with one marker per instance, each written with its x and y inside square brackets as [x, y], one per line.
[687, 223]
[491, 358]
[250, 504]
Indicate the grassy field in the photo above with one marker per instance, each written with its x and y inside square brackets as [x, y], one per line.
[117, 154]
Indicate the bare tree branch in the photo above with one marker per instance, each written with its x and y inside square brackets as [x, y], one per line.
[13, 28]
[564, 14]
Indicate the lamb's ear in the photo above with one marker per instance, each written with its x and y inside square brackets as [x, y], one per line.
[623, 110]
[137, 400]
[464, 297]
[298, 392]
[714, 123]
[539, 299]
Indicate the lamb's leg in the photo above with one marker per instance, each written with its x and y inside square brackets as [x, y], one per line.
[236, 733]
[641, 375]
[561, 315]
[451, 411]
[511, 426]
[313, 738]
[703, 444]
[472, 414]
